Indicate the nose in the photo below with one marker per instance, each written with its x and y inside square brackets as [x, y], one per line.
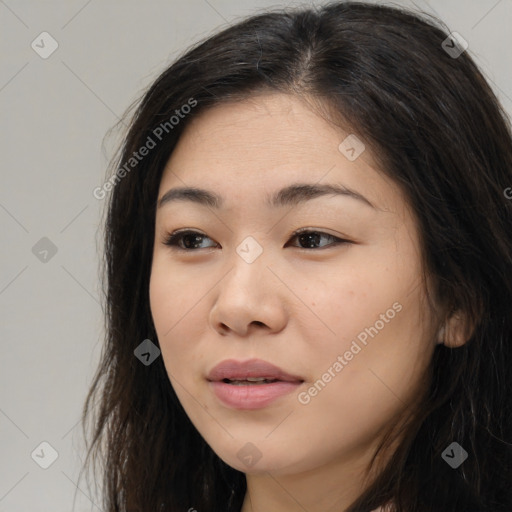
[249, 299]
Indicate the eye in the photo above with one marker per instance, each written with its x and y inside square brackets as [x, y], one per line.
[311, 237]
[188, 240]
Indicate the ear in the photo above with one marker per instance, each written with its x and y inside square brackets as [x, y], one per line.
[456, 331]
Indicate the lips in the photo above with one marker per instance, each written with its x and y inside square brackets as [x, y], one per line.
[253, 371]
[250, 385]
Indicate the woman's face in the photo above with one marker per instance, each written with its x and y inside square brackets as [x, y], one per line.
[344, 321]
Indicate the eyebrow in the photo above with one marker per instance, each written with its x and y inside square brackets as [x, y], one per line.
[288, 196]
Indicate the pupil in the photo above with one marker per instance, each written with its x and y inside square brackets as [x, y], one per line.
[187, 242]
[310, 237]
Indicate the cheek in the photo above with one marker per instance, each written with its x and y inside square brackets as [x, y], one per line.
[173, 294]
[167, 309]
[378, 363]
[176, 306]
[350, 300]
[163, 307]
[358, 388]
[374, 318]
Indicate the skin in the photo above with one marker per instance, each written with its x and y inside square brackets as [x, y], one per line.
[296, 307]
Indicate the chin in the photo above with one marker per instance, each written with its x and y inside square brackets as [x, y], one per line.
[257, 457]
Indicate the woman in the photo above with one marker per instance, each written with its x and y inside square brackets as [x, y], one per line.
[251, 366]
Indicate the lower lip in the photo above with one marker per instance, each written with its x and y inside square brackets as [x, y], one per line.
[252, 396]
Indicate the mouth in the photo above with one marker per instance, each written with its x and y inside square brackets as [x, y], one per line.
[250, 372]
[251, 384]
[250, 381]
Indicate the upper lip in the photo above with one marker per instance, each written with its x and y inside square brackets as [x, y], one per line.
[240, 370]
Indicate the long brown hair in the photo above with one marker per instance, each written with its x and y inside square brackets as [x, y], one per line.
[443, 137]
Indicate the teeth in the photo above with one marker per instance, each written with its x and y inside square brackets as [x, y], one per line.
[250, 380]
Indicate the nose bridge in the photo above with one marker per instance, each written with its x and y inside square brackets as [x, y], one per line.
[250, 250]
[250, 281]
[249, 262]
[247, 293]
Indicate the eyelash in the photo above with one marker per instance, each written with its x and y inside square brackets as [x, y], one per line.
[172, 239]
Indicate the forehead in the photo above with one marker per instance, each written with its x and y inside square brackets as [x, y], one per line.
[262, 127]
[265, 143]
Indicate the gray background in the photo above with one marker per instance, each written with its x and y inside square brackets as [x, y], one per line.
[55, 114]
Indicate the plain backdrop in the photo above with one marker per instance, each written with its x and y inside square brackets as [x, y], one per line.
[55, 113]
